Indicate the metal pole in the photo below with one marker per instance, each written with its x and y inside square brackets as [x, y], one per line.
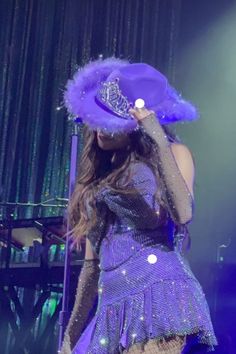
[10, 216]
[63, 316]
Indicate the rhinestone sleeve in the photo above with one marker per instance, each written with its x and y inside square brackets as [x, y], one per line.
[98, 231]
[86, 293]
[140, 209]
[178, 199]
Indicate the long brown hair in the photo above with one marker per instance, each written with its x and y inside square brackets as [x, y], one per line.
[96, 171]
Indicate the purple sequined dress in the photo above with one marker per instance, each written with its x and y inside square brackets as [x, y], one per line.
[146, 288]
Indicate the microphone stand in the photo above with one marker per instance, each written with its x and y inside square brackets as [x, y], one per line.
[63, 316]
[220, 261]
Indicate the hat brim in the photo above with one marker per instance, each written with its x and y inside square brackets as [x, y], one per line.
[100, 117]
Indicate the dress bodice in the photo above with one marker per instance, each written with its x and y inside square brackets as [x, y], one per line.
[139, 220]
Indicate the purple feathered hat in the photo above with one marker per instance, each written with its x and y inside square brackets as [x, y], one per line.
[102, 92]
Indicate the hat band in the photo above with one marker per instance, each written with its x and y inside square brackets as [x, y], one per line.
[111, 96]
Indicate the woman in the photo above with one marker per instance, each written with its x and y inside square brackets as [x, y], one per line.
[132, 203]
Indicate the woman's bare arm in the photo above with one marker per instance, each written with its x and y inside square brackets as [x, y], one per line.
[184, 161]
[175, 177]
[86, 294]
[89, 253]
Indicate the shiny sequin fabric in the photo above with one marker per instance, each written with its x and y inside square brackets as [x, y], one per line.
[154, 346]
[146, 289]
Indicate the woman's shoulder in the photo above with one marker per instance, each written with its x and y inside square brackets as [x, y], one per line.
[181, 150]
[184, 159]
[140, 164]
[139, 175]
[141, 170]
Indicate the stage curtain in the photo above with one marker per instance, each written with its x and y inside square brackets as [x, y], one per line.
[42, 44]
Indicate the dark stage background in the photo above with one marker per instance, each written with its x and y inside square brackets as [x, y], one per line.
[42, 42]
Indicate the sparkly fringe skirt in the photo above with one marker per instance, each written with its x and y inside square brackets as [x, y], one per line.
[153, 295]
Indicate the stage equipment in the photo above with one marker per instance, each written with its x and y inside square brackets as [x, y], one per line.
[64, 314]
[31, 260]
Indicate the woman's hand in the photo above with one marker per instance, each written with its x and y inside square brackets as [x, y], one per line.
[140, 113]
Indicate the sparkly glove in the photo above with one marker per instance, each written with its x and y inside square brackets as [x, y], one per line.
[178, 199]
[139, 209]
[98, 231]
[84, 300]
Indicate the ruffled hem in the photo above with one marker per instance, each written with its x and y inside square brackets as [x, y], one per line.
[164, 309]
